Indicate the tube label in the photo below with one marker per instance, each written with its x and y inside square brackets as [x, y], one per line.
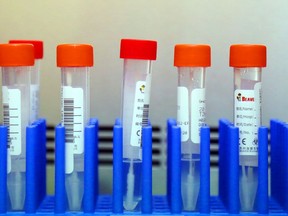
[247, 117]
[12, 119]
[198, 113]
[196, 119]
[183, 112]
[73, 120]
[140, 110]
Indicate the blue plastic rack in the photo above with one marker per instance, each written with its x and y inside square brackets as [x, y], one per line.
[226, 203]
[35, 167]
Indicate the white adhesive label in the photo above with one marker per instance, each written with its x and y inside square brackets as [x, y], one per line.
[140, 113]
[34, 95]
[247, 118]
[183, 112]
[69, 159]
[198, 111]
[73, 120]
[12, 119]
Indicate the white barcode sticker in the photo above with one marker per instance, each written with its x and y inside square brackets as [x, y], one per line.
[183, 112]
[12, 118]
[73, 120]
[197, 113]
[247, 118]
[138, 113]
[69, 159]
[147, 90]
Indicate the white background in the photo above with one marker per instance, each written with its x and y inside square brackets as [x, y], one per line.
[103, 23]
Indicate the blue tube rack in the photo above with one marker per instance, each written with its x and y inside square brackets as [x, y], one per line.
[35, 167]
[226, 203]
[90, 168]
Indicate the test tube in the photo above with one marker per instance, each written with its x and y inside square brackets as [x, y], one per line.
[191, 61]
[138, 56]
[35, 75]
[16, 61]
[247, 60]
[75, 61]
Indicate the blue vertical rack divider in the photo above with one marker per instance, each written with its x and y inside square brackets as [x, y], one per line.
[170, 124]
[117, 168]
[279, 163]
[228, 166]
[3, 169]
[175, 170]
[226, 203]
[35, 165]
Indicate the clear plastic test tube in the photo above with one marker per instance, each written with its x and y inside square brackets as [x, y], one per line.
[35, 75]
[138, 56]
[247, 60]
[191, 61]
[75, 61]
[16, 61]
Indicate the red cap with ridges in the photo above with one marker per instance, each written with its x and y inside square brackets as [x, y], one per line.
[192, 55]
[75, 55]
[138, 49]
[12, 55]
[38, 46]
[247, 55]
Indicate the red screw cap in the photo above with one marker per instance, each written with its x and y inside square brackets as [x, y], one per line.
[38, 46]
[138, 49]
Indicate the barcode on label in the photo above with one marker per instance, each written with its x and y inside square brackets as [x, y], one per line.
[72, 118]
[145, 115]
[73, 121]
[68, 119]
[6, 121]
[12, 126]
[12, 119]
